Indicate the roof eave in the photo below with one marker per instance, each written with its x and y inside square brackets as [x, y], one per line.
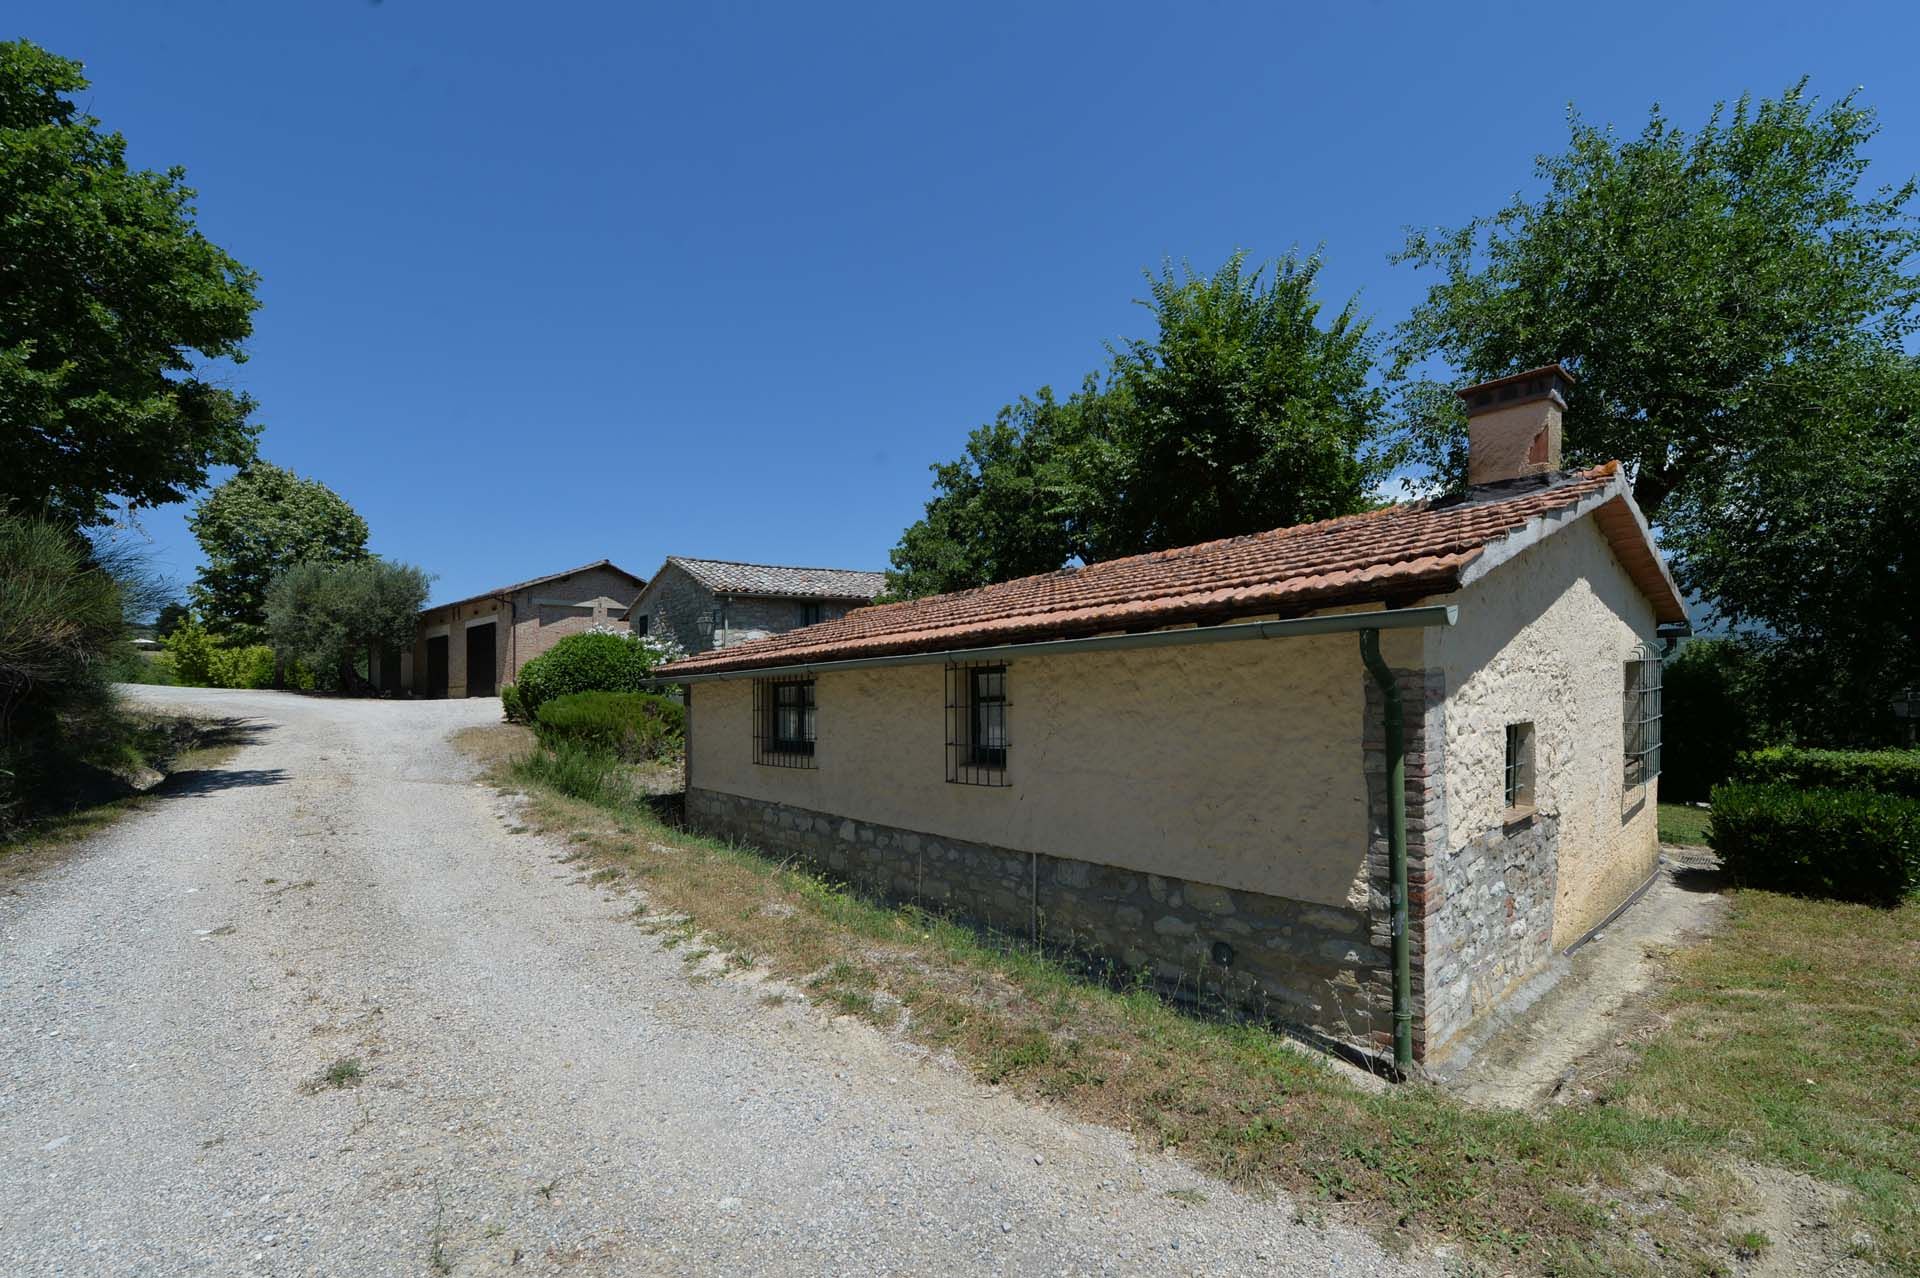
[1626, 530]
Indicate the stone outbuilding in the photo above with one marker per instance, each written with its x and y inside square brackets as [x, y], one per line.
[1181, 763]
[702, 604]
[469, 647]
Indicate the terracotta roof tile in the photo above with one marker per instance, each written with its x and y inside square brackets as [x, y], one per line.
[1397, 553]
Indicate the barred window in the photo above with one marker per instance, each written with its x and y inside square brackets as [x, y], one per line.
[1519, 771]
[1640, 710]
[783, 722]
[811, 614]
[977, 741]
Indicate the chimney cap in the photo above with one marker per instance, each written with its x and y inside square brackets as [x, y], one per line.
[1549, 381]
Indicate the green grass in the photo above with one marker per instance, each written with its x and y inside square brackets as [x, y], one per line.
[1794, 1040]
[1791, 1042]
[1683, 824]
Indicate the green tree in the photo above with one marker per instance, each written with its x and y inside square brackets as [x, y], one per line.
[254, 527]
[1005, 508]
[1812, 543]
[172, 614]
[1246, 411]
[1709, 289]
[111, 305]
[325, 616]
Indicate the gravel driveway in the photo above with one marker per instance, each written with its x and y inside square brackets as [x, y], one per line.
[545, 1089]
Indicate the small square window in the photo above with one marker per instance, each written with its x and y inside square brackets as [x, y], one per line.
[811, 614]
[783, 722]
[977, 738]
[1519, 769]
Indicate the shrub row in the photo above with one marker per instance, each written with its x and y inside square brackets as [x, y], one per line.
[1853, 844]
[1882, 771]
[632, 726]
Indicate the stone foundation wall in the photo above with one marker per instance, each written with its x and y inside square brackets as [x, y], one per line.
[1308, 965]
[1489, 922]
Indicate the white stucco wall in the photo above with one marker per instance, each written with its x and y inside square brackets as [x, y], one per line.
[1237, 764]
[1542, 639]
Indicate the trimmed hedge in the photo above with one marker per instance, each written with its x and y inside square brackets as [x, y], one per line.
[595, 661]
[632, 726]
[1852, 844]
[1883, 771]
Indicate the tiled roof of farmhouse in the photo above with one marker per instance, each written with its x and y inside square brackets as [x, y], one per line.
[1393, 555]
[725, 577]
[501, 592]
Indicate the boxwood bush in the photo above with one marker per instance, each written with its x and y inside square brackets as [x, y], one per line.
[1852, 844]
[596, 661]
[514, 710]
[1884, 771]
[632, 726]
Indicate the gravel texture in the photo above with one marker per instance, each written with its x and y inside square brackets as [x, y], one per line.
[544, 1088]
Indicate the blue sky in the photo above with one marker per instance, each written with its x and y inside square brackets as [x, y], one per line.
[550, 282]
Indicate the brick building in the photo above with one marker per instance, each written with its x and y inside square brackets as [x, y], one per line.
[469, 647]
[702, 604]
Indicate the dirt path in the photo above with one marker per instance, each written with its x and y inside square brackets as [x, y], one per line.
[543, 1089]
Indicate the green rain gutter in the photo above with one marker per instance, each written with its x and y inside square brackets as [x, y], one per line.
[1396, 847]
[1367, 624]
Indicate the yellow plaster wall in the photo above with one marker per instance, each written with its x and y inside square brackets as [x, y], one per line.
[1238, 764]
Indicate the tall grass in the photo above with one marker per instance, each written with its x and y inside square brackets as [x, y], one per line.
[577, 771]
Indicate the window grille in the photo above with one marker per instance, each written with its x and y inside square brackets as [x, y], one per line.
[783, 722]
[811, 614]
[977, 741]
[1519, 771]
[1640, 710]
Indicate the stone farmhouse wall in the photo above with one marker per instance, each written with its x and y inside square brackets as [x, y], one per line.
[679, 607]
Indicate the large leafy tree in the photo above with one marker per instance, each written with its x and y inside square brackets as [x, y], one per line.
[1735, 302]
[254, 527]
[1811, 543]
[1248, 409]
[1709, 289]
[112, 303]
[1005, 508]
[326, 615]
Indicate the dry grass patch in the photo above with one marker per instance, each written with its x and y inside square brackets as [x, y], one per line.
[1626, 1184]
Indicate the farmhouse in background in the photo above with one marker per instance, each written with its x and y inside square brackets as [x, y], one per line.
[469, 647]
[1180, 761]
[702, 604]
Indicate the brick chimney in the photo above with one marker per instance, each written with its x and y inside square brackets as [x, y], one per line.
[1513, 424]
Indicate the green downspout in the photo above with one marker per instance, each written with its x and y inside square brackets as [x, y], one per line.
[1396, 848]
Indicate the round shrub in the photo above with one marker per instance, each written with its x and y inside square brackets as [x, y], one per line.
[633, 726]
[511, 707]
[596, 661]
